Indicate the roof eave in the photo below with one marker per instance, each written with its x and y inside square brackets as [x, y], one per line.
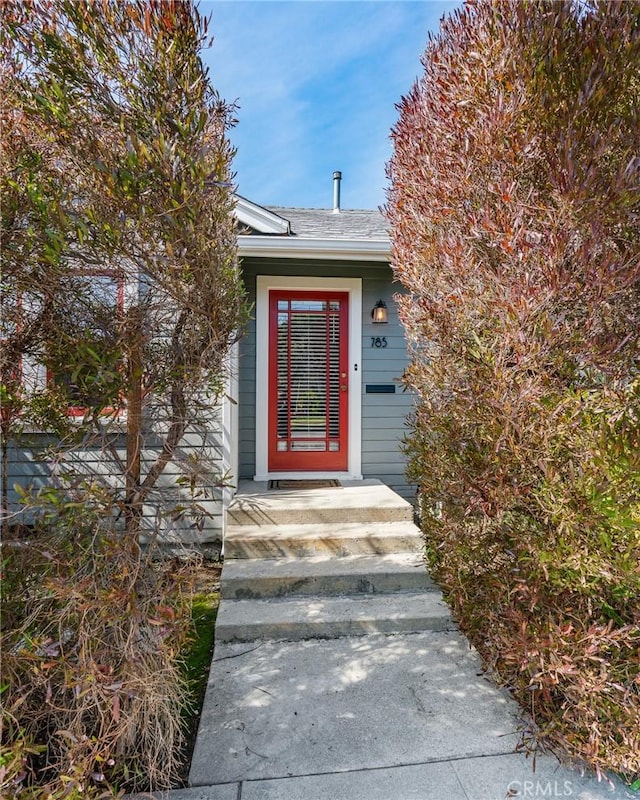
[259, 218]
[298, 247]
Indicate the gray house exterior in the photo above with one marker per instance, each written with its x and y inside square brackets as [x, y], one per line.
[307, 252]
[314, 385]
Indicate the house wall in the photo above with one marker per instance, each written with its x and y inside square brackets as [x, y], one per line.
[176, 513]
[383, 418]
[383, 415]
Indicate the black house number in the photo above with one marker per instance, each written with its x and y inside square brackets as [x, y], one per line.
[379, 341]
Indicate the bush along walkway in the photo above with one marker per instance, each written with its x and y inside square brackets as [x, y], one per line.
[338, 672]
[514, 237]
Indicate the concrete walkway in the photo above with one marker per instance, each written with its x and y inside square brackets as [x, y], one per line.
[396, 709]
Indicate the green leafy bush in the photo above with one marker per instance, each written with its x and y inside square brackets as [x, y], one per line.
[514, 206]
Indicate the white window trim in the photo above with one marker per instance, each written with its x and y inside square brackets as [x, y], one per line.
[264, 283]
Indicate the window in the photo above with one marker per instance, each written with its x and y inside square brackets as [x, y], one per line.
[10, 391]
[10, 360]
[84, 361]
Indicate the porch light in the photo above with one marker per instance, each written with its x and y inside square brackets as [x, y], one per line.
[379, 313]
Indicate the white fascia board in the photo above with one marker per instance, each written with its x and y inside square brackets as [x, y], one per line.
[259, 218]
[293, 247]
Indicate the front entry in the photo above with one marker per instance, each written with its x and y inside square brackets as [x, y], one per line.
[308, 381]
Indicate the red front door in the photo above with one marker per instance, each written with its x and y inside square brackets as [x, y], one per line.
[308, 388]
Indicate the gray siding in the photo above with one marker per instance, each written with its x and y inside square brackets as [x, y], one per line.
[33, 464]
[383, 415]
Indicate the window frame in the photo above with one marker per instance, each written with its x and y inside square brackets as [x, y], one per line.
[78, 411]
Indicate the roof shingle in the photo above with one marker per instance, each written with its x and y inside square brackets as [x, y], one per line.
[323, 223]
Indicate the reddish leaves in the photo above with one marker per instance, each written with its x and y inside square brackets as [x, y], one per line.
[514, 207]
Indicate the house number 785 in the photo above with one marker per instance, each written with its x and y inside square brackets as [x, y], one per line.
[378, 341]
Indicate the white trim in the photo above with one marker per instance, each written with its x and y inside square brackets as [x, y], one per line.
[298, 247]
[259, 218]
[230, 429]
[354, 287]
[308, 476]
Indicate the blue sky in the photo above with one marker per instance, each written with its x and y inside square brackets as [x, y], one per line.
[316, 84]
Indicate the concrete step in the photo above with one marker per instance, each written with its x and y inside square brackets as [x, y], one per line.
[330, 617]
[359, 501]
[335, 539]
[324, 575]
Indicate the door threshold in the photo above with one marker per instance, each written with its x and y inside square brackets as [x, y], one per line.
[308, 476]
[298, 484]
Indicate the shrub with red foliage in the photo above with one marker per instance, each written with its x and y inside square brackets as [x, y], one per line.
[514, 207]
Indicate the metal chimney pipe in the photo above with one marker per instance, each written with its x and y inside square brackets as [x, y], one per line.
[337, 177]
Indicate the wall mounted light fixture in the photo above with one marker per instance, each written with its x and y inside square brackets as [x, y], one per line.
[379, 312]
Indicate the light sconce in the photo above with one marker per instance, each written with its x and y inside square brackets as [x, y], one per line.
[379, 312]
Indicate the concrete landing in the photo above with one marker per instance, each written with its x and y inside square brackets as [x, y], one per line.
[402, 717]
[283, 709]
[355, 501]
